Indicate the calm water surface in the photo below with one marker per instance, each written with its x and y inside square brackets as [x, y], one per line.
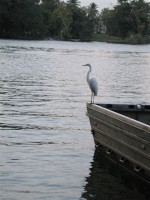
[46, 149]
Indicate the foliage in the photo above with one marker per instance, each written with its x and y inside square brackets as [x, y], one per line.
[47, 8]
[138, 39]
[106, 38]
[108, 22]
[128, 18]
[21, 19]
[65, 15]
[36, 19]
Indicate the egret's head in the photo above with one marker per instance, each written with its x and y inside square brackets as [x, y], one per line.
[87, 65]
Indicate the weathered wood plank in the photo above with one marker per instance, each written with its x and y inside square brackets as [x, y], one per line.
[125, 136]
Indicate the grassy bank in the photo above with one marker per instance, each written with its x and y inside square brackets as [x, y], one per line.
[106, 38]
[135, 39]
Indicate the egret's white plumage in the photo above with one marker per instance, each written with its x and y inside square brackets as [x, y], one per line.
[92, 83]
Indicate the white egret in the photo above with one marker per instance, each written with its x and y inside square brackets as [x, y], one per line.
[92, 84]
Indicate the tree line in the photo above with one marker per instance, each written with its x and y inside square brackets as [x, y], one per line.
[37, 19]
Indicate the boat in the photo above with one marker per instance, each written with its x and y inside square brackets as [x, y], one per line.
[122, 133]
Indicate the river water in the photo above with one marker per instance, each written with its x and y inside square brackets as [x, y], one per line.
[46, 149]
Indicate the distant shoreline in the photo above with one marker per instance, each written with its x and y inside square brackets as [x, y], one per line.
[94, 38]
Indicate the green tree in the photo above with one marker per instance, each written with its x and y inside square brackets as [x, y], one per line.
[50, 5]
[93, 16]
[74, 3]
[23, 19]
[127, 19]
[121, 13]
[92, 10]
[65, 15]
[27, 19]
[122, 1]
[80, 27]
[131, 18]
[4, 15]
[139, 18]
[49, 20]
[108, 21]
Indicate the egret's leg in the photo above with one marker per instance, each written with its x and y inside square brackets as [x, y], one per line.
[91, 97]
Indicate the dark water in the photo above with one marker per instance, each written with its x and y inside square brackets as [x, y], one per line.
[107, 180]
[46, 149]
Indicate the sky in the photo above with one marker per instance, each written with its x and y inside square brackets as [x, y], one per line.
[102, 3]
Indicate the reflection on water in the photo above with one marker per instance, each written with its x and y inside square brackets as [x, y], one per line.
[45, 141]
[107, 180]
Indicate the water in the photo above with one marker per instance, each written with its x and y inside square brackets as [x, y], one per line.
[46, 148]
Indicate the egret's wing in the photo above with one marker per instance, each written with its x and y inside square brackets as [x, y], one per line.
[93, 86]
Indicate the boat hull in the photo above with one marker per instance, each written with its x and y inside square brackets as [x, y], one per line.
[124, 139]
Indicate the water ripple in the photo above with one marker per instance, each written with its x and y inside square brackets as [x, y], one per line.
[45, 140]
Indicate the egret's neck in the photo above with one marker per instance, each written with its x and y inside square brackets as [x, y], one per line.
[88, 74]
